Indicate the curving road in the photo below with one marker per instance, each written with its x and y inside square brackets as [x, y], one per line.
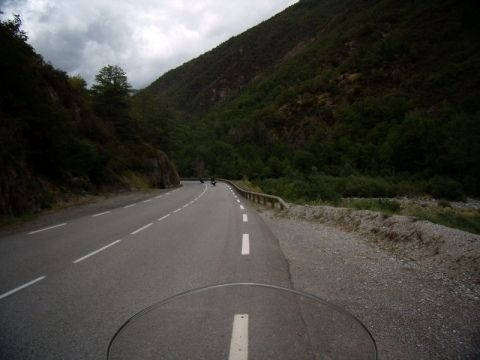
[66, 288]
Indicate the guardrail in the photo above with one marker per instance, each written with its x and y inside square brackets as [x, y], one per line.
[264, 199]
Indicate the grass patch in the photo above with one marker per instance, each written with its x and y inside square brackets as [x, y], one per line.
[326, 190]
[463, 219]
[384, 206]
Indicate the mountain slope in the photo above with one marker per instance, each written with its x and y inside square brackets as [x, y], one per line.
[52, 143]
[377, 88]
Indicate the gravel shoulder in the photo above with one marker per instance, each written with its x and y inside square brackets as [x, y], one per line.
[412, 310]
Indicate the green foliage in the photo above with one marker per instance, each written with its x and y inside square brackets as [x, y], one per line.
[111, 100]
[445, 188]
[443, 203]
[53, 141]
[385, 206]
[381, 95]
[318, 187]
[466, 220]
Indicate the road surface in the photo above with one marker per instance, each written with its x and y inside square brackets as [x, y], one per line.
[65, 288]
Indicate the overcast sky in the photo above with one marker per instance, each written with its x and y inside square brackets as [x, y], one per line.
[145, 37]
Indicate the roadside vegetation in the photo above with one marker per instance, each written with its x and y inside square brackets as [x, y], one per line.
[381, 97]
[439, 212]
[59, 139]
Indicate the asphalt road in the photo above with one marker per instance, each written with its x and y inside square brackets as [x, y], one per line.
[66, 288]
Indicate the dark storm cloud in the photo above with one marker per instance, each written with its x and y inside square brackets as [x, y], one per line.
[145, 37]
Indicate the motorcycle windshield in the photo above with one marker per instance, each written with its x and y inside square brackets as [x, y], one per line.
[240, 322]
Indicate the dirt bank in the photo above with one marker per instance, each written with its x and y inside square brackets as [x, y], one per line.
[444, 250]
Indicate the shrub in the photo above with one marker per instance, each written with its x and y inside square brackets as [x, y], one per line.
[363, 186]
[441, 187]
[444, 204]
[382, 205]
[320, 189]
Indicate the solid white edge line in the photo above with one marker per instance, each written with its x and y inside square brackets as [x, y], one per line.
[245, 218]
[45, 229]
[158, 197]
[103, 213]
[164, 217]
[245, 244]
[8, 293]
[177, 210]
[241, 207]
[129, 206]
[95, 252]
[239, 341]
[146, 201]
[238, 201]
[142, 228]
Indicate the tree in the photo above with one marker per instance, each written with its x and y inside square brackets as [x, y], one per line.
[78, 84]
[111, 99]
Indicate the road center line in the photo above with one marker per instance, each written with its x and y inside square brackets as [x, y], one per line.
[164, 217]
[103, 213]
[8, 293]
[177, 210]
[239, 342]
[45, 229]
[245, 244]
[245, 218]
[129, 206]
[238, 201]
[96, 252]
[141, 229]
[241, 207]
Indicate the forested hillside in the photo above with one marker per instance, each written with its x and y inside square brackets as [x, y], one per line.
[352, 98]
[58, 139]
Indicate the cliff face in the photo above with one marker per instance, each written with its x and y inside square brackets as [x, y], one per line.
[163, 172]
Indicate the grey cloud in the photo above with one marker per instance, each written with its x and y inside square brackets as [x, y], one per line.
[145, 37]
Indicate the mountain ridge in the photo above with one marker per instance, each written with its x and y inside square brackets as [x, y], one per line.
[375, 88]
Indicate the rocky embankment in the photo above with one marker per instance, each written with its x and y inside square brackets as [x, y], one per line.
[452, 252]
[21, 192]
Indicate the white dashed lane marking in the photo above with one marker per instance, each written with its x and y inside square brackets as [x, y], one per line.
[103, 213]
[239, 341]
[96, 252]
[141, 229]
[164, 217]
[245, 244]
[8, 293]
[45, 229]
